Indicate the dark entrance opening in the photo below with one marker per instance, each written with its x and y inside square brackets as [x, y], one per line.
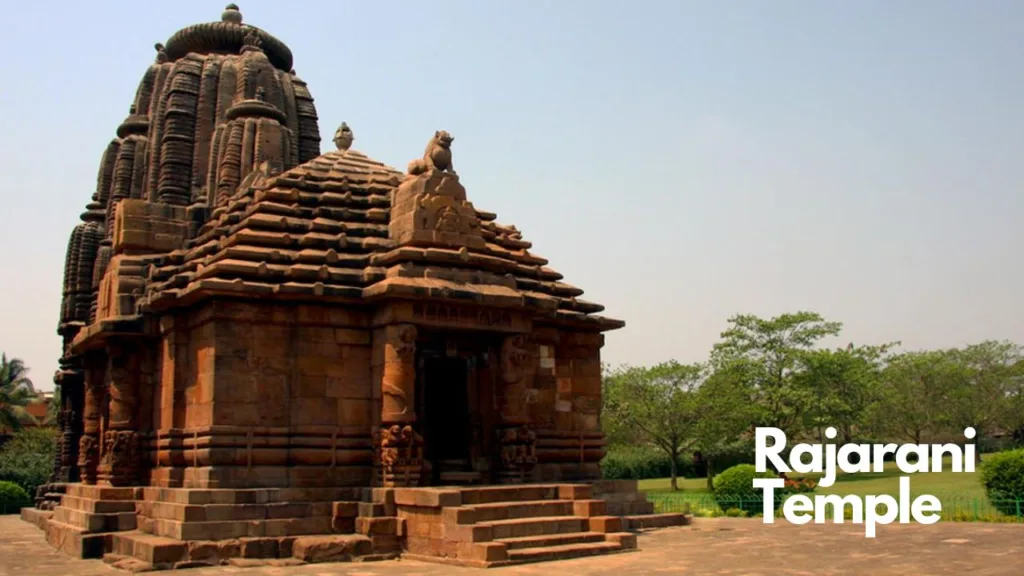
[446, 419]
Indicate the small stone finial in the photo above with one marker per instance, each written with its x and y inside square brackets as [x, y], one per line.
[343, 137]
[231, 14]
[161, 55]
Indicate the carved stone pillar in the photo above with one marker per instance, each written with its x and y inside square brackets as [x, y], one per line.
[399, 447]
[48, 495]
[70, 419]
[120, 460]
[89, 444]
[516, 441]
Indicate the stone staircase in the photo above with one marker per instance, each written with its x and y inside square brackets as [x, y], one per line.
[87, 515]
[146, 528]
[500, 525]
[279, 527]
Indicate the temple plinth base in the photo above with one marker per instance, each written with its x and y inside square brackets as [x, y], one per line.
[142, 528]
[48, 495]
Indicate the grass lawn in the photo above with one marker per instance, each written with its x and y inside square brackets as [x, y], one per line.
[961, 494]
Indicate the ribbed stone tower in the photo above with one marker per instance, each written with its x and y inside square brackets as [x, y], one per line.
[219, 101]
[263, 343]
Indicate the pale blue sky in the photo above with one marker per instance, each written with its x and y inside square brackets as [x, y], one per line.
[680, 161]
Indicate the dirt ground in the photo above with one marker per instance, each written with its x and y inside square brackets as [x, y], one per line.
[721, 546]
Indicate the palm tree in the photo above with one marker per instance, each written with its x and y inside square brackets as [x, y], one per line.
[16, 391]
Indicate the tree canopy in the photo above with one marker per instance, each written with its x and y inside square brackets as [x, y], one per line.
[775, 372]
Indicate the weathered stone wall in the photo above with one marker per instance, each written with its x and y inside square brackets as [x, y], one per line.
[264, 395]
[565, 405]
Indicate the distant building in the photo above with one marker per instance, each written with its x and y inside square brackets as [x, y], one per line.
[38, 410]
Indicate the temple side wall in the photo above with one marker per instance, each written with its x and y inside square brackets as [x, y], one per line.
[263, 395]
[565, 405]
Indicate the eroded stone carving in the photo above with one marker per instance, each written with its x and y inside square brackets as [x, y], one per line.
[518, 453]
[399, 455]
[445, 214]
[515, 357]
[122, 404]
[401, 341]
[438, 155]
[120, 449]
[88, 457]
[121, 457]
[258, 178]
[399, 374]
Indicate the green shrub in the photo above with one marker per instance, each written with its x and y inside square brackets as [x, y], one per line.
[13, 498]
[1002, 475]
[27, 458]
[734, 488]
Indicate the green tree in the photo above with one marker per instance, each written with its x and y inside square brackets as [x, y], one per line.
[16, 392]
[27, 458]
[1013, 419]
[660, 403]
[769, 354]
[727, 411]
[617, 431]
[914, 402]
[840, 386]
[984, 382]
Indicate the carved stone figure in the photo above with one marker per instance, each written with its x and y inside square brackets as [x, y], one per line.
[515, 357]
[258, 178]
[88, 457]
[121, 457]
[399, 455]
[518, 453]
[438, 155]
[444, 214]
[402, 341]
[397, 386]
[161, 55]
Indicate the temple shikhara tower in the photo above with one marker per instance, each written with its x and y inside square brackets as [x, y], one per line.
[272, 353]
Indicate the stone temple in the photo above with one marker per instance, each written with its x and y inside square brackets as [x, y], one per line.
[273, 353]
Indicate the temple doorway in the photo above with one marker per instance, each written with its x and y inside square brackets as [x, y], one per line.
[446, 409]
[449, 409]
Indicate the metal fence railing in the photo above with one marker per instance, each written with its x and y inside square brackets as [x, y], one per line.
[955, 507]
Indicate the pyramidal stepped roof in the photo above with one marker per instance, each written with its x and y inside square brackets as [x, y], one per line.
[321, 230]
[215, 186]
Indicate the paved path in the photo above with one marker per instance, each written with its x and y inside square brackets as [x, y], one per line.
[722, 547]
